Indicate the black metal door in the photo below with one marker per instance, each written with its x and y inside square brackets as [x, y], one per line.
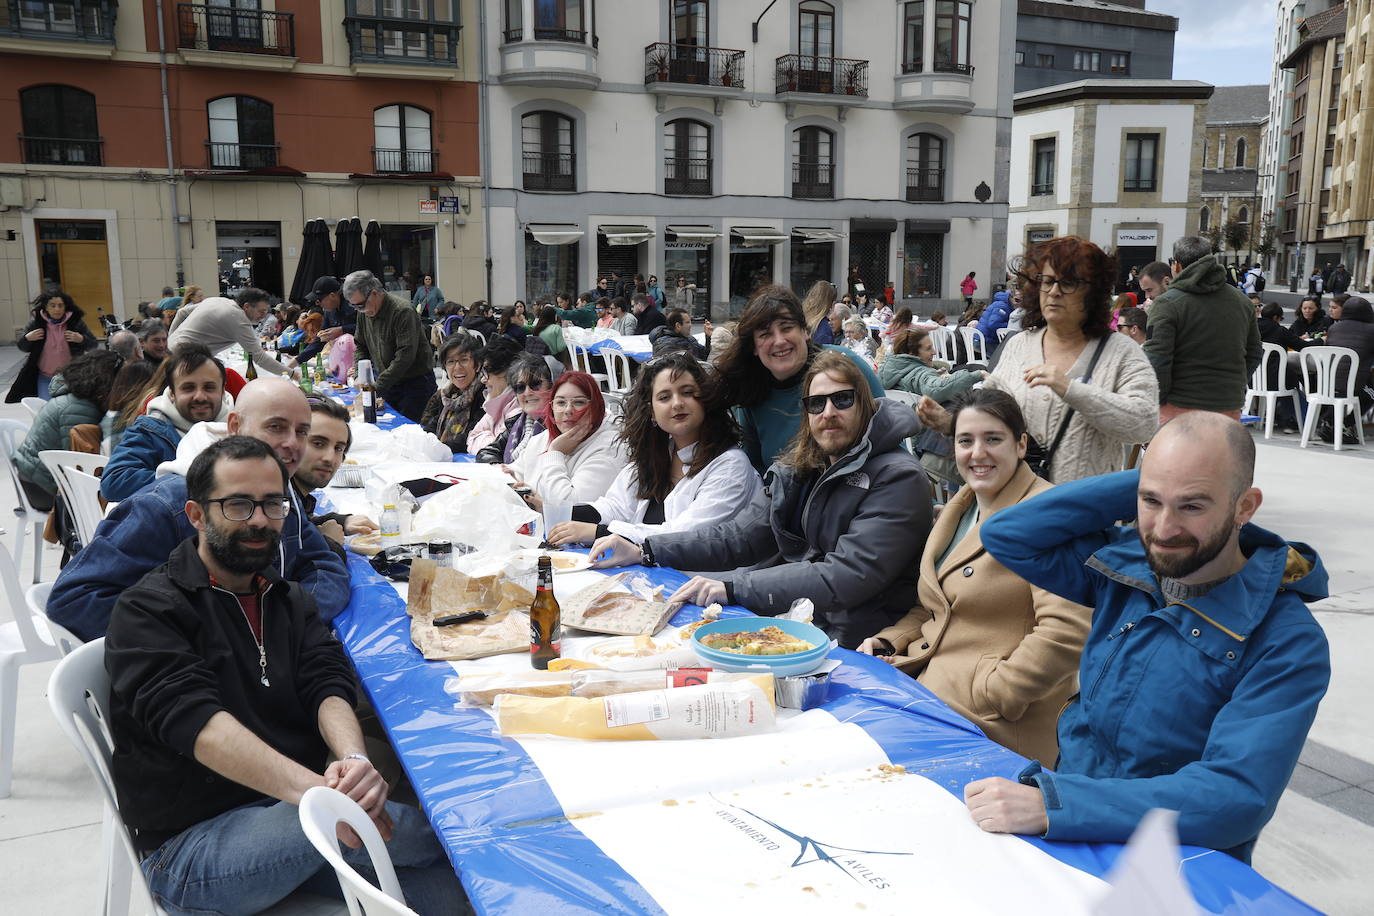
[868, 252]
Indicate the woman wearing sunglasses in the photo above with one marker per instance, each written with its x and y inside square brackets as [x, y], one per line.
[532, 384]
[1002, 653]
[1067, 370]
[578, 454]
[686, 468]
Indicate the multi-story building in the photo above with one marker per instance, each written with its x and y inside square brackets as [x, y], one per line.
[863, 140]
[158, 143]
[1063, 41]
[1273, 158]
[1349, 215]
[1231, 145]
[1310, 235]
[1118, 162]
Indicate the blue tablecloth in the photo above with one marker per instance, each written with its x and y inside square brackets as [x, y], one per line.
[517, 852]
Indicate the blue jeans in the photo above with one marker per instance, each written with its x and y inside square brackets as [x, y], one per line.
[247, 859]
[44, 383]
[409, 397]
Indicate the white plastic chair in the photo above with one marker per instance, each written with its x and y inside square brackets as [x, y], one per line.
[321, 809]
[25, 640]
[79, 696]
[12, 433]
[1259, 387]
[975, 345]
[82, 496]
[35, 405]
[582, 362]
[618, 376]
[1319, 366]
[1002, 334]
[942, 339]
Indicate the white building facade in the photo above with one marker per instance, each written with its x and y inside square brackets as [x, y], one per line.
[1273, 158]
[680, 138]
[1117, 162]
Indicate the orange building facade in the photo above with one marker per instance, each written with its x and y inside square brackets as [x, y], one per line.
[274, 114]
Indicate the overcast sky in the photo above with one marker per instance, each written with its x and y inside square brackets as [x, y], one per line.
[1222, 42]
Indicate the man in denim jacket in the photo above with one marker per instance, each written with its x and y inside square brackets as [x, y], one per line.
[1203, 670]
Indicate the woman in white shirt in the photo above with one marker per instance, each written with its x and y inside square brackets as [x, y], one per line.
[577, 455]
[686, 468]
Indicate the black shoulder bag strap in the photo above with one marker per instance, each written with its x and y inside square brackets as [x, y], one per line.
[1064, 423]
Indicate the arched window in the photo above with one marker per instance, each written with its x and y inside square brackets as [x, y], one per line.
[1243, 216]
[1204, 220]
[546, 146]
[241, 133]
[925, 167]
[59, 126]
[402, 140]
[813, 164]
[1240, 153]
[687, 157]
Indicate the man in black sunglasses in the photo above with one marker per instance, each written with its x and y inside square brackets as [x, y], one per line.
[849, 510]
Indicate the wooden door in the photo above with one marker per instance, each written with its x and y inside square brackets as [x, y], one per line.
[85, 267]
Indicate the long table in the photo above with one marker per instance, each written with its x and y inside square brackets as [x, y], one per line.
[504, 808]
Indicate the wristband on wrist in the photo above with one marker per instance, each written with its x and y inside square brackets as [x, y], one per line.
[356, 757]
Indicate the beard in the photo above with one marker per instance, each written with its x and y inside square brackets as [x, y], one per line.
[228, 550]
[1180, 565]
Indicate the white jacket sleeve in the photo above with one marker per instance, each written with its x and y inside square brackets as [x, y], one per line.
[580, 477]
[727, 488]
[619, 504]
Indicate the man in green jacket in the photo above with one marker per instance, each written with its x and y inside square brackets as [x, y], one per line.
[584, 316]
[1204, 341]
[390, 334]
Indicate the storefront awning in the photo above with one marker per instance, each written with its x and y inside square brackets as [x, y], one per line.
[626, 235]
[815, 236]
[554, 234]
[694, 233]
[758, 236]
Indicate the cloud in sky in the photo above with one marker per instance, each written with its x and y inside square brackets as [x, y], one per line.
[1226, 43]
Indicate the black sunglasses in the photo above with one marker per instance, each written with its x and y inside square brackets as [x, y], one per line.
[843, 400]
[537, 385]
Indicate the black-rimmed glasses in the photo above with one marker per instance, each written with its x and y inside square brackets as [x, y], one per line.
[843, 400]
[241, 509]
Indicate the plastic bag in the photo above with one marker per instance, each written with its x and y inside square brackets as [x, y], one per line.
[725, 710]
[482, 688]
[600, 608]
[482, 513]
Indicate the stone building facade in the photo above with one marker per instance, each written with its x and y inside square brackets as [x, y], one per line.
[1231, 145]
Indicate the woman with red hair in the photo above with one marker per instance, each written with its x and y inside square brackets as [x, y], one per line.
[578, 454]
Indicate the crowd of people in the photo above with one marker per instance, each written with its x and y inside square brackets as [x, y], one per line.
[968, 534]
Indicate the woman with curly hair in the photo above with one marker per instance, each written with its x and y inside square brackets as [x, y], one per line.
[1085, 391]
[686, 468]
[55, 335]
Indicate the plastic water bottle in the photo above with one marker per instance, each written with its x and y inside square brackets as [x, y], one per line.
[391, 526]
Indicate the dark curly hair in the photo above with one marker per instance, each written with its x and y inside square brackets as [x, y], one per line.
[41, 302]
[1076, 260]
[650, 450]
[744, 380]
[91, 375]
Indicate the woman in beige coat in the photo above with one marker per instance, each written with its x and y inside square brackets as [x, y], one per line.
[999, 651]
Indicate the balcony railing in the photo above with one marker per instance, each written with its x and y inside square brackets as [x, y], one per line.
[405, 161]
[813, 180]
[823, 75]
[1040, 189]
[550, 171]
[61, 20]
[510, 36]
[912, 66]
[575, 36]
[949, 66]
[686, 176]
[925, 184]
[62, 151]
[222, 28]
[409, 42]
[670, 63]
[246, 156]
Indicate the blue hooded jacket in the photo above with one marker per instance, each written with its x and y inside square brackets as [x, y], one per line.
[1201, 708]
[147, 442]
[140, 534]
[994, 318]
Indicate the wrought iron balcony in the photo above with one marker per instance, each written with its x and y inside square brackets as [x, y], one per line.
[246, 156]
[404, 161]
[813, 180]
[550, 172]
[692, 64]
[912, 66]
[62, 151]
[949, 66]
[822, 75]
[59, 20]
[1040, 189]
[408, 42]
[222, 28]
[576, 36]
[686, 176]
[511, 36]
[925, 184]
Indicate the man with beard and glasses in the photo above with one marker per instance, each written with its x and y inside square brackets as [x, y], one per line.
[140, 533]
[1203, 669]
[194, 392]
[229, 699]
[325, 449]
[847, 517]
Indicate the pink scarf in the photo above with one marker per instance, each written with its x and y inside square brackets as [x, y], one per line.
[56, 351]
